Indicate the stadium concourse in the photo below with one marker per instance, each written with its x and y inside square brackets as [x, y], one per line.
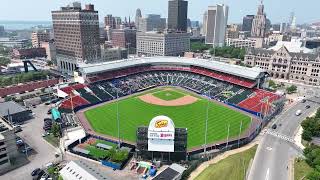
[235, 86]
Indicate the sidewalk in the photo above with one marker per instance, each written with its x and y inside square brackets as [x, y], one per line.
[220, 157]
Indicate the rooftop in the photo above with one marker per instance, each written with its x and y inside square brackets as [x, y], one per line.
[294, 46]
[171, 172]
[245, 72]
[80, 169]
[10, 107]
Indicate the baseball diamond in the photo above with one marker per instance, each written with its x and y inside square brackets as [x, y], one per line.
[133, 112]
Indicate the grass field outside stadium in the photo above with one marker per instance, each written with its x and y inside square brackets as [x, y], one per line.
[133, 112]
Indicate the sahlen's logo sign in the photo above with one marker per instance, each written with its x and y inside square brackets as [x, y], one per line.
[161, 123]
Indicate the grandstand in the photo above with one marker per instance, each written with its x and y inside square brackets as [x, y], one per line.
[234, 85]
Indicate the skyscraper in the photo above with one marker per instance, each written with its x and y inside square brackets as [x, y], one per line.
[177, 15]
[152, 22]
[292, 21]
[137, 18]
[109, 21]
[76, 34]
[247, 23]
[38, 36]
[215, 22]
[259, 23]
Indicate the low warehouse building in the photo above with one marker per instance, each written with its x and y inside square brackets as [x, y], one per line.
[14, 112]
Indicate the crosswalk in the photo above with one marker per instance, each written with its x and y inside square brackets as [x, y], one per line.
[281, 136]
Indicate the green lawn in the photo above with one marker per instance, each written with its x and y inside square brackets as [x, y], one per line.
[233, 167]
[52, 140]
[134, 113]
[96, 152]
[168, 95]
[301, 169]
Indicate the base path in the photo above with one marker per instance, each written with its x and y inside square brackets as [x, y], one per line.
[151, 99]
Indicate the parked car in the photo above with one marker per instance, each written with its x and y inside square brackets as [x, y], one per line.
[47, 127]
[35, 172]
[274, 126]
[19, 142]
[308, 106]
[47, 103]
[45, 134]
[27, 149]
[303, 100]
[54, 101]
[298, 113]
[45, 176]
[17, 128]
[47, 119]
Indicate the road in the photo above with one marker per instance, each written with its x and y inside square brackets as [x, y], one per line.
[31, 133]
[277, 148]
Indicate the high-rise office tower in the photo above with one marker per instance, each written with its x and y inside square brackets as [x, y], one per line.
[39, 36]
[292, 21]
[2, 31]
[215, 22]
[247, 23]
[76, 34]
[137, 18]
[152, 22]
[259, 24]
[177, 15]
[109, 21]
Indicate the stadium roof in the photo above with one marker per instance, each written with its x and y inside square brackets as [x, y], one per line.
[245, 72]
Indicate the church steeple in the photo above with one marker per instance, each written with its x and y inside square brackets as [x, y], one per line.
[261, 8]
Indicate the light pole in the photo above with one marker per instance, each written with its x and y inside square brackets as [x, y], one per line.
[228, 136]
[118, 120]
[239, 134]
[206, 127]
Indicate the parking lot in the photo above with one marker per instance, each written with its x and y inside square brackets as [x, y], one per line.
[42, 153]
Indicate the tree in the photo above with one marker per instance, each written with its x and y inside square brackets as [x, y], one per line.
[49, 63]
[199, 47]
[55, 129]
[291, 89]
[272, 84]
[317, 114]
[314, 175]
[228, 52]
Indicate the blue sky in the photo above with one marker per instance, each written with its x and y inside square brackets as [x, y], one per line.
[277, 10]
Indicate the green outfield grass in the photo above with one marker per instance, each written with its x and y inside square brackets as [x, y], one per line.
[134, 113]
[168, 94]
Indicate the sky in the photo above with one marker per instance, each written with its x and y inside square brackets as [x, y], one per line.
[307, 11]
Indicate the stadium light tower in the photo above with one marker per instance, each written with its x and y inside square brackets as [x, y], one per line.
[206, 124]
[228, 136]
[118, 120]
[239, 134]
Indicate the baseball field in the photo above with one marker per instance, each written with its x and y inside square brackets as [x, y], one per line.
[184, 108]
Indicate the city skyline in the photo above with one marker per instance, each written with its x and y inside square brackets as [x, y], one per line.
[273, 8]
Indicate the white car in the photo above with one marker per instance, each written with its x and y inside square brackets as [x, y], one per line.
[298, 113]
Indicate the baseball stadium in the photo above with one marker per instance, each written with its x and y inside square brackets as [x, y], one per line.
[218, 104]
